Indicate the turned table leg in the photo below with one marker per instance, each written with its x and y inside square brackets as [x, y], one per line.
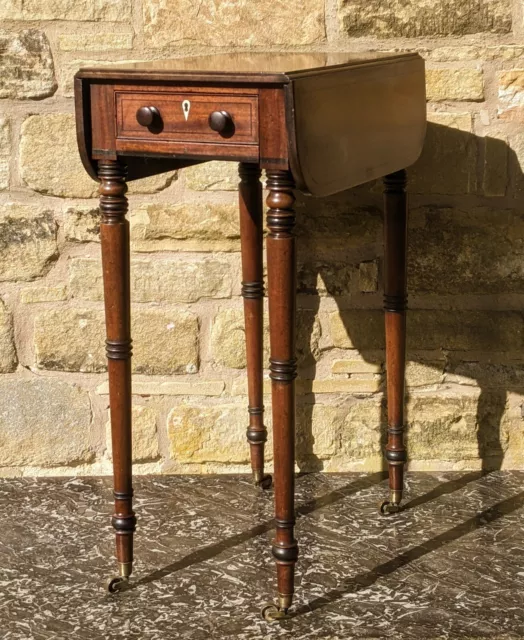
[114, 233]
[395, 304]
[251, 240]
[281, 266]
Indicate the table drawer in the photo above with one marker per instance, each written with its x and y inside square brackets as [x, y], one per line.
[185, 117]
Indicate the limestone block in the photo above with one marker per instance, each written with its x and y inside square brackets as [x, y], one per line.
[422, 374]
[44, 294]
[70, 340]
[475, 52]
[339, 385]
[511, 95]
[27, 241]
[208, 434]
[454, 84]
[228, 338]
[187, 226]
[452, 251]
[431, 329]
[26, 63]
[5, 152]
[448, 164]
[212, 176]
[165, 342]
[82, 224]
[179, 23]
[356, 329]
[145, 438]
[325, 226]
[368, 276]
[95, 41]
[423, 18]
[352, 366]
[325, 278]
[318, 432]
[156, 281]
[8, 359]
[44, 422]
[85, 10]
[62, 176]
[487, 375]
[361, 430]
[73, 339]
[495, 177]
[171, 388]
[442, 428]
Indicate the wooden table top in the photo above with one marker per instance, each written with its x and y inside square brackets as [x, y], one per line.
[257, 67]
[335, 120]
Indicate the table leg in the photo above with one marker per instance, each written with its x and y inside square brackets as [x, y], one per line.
[395, 304]
[281, 266]
[114, 234]
[251, 240]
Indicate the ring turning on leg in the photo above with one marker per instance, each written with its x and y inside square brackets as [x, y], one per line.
[395, 306]
[251, 239]
[281, 266]
[114, 234]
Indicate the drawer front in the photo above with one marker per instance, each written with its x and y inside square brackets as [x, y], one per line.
[185, 117]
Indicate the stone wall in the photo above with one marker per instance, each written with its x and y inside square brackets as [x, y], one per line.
[466, 261]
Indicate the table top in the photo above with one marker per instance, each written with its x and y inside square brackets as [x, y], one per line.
[334, 120]
[264, 67]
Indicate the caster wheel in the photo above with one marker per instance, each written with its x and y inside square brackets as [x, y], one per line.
[387, 508]
[266, 482]
[113, 585]
[270, 612]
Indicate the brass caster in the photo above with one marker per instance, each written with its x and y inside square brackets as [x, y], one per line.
[271, 612]
[261, 480]
[119, 583]
[387, 508]
[266, 482]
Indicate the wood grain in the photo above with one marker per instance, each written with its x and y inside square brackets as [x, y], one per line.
[172, 124]
[323, 122]
[281, 272]
[114, 236]
[251, 239]
[346, 120]
[395, 305]
[356, 124]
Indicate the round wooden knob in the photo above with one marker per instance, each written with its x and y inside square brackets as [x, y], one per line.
[146, 116]
[221, 121]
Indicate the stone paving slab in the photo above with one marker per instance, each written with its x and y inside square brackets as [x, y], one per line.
[451, 565]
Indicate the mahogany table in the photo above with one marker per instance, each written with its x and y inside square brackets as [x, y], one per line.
[320, 123]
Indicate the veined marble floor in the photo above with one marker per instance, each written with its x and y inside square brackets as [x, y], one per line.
[450, 565]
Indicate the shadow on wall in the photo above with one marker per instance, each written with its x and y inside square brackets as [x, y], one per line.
[465, 282]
